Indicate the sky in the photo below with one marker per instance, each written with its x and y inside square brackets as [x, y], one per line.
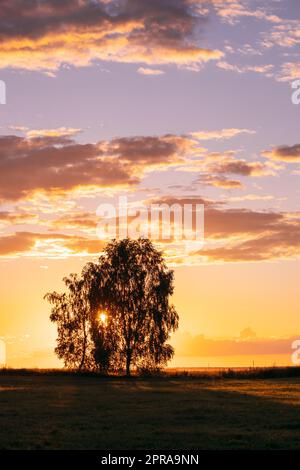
[159, 101]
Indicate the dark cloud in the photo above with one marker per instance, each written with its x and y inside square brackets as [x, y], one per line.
[223, 223]
[148, 150]
[284, 153]
[29, 165]
[239, 167]
[244, 234]
[169, 22]
[54, 162]
[280, 241]
[78, 31]
[58, 164]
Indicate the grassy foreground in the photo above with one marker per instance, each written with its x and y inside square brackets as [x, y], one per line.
[56, 411]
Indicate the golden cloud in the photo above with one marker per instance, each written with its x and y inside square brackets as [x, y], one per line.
[44, 36]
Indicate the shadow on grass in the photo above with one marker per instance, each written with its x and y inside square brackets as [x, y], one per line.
[59, 412]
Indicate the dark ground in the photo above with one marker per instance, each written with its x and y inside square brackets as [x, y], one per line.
[56, 411]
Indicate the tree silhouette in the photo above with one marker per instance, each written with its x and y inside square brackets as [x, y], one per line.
[118, 314]
[132, 284]
[71, 312]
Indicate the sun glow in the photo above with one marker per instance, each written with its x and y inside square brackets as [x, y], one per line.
[102, 318]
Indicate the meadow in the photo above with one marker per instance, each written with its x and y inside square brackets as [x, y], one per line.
[191, 411]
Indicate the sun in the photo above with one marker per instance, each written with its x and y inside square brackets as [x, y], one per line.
[102, 317]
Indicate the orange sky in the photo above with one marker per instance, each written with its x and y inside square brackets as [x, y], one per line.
[254, 295]
[183, 104]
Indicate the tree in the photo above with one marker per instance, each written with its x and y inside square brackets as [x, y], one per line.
[71, 312]
[117, 314]
[132, 284]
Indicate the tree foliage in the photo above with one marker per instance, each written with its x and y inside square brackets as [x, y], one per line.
[117, 315]
[71, 312]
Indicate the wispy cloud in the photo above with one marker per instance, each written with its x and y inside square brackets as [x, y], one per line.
[232, 11]
[289, 71]
[220, 134]
[150, 72]
[59, 132]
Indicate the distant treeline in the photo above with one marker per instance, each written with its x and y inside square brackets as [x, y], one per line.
[226, 373]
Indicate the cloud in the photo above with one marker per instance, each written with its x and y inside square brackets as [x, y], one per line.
[80, 220]
[232, 10]
[150, 150]
[18, 128]
[48, 245]
[55, 164]
[218, 181]
[17, 243]
[221, 134]
[289, 71]
[284, 153]
[83, 245]
[286, 34]
[59, 132]
[275, 240]
[147, 71]
[224, 223]
[170, 200]
[231, 235]
[260, 69]
[9, 218]
[240, 167]
[42, 36]
[244, 235]
[50, 161]
[200, 346]
[217, 169]
[227, 223]
[251, 197]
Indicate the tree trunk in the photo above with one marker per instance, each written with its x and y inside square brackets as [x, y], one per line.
[83, 349]
[128, 347]
[128, 362]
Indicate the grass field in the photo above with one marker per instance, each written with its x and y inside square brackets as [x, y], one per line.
[70, 412]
